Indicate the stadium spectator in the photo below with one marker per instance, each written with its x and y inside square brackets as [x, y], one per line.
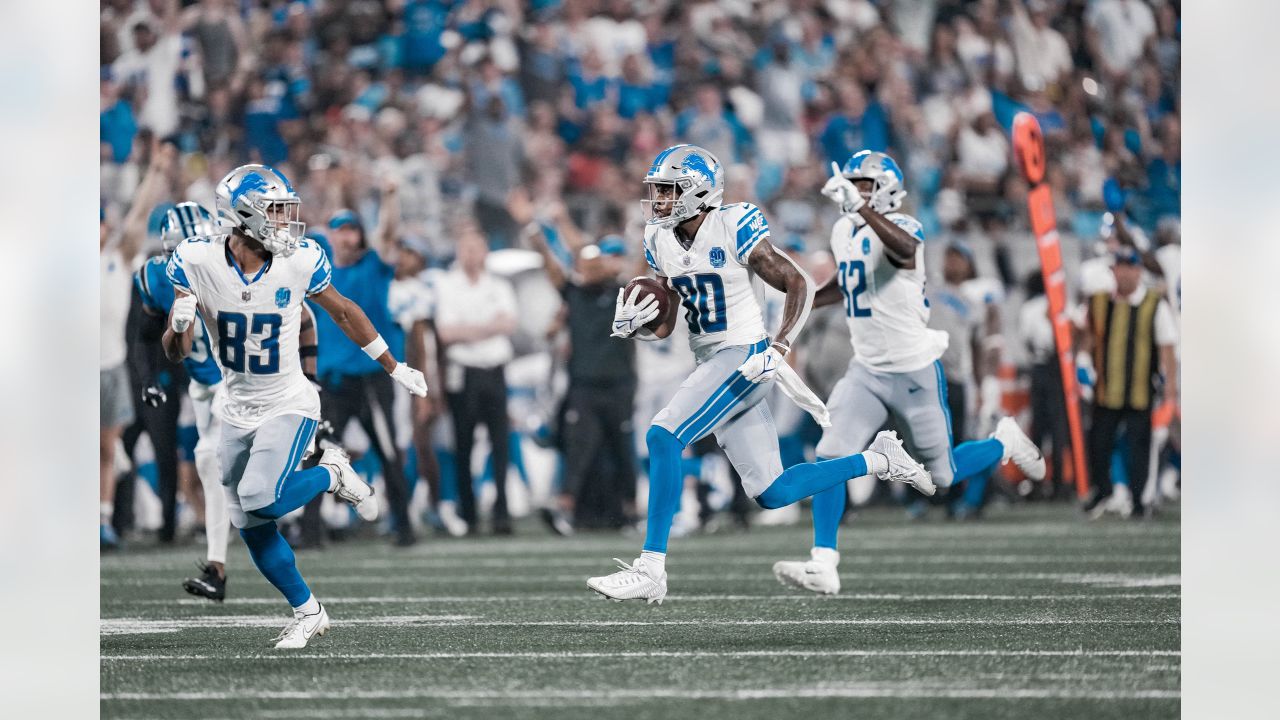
[475, 317]
[1048, 412]
[355, 387]
[151, 67]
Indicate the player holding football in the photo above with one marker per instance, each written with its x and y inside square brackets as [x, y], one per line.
[249, 286]
[704, 252]
[895, 369]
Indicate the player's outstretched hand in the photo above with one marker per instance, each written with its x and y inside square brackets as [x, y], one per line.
[411, 379]
[183, 314]
[842, 192]
[630, 315]
[762, 367]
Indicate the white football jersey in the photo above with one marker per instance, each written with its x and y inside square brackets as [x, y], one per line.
[711, 276]
[886, 307]
[253, 324]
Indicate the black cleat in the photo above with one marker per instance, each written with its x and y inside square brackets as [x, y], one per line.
[208, 585]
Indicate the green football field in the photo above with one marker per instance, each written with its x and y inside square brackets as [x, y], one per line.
[1031, 613]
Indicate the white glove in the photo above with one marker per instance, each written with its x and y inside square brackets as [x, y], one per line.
[410, 379]
[183, 313]
[761, 367]
[629, 316]
[843, 192]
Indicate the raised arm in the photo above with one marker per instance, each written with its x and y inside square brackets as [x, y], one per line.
[782, 274]
[388, 229]
[899, 245]
[134, 230]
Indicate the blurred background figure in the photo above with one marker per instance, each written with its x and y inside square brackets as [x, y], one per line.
[596, 419]
[475, 317]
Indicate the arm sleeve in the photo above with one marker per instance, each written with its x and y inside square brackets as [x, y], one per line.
[751, 229]
[176, 270]
[321, 274]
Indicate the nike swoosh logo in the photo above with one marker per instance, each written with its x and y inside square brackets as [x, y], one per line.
[911, 390]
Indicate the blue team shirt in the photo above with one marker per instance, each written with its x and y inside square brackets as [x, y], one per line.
[157, 295]
[366, 283]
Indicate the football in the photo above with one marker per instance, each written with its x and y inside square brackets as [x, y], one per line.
[666, 298]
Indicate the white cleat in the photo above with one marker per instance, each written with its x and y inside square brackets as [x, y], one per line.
[352, 488]
[301, 629]
[902, 467]
[817, 574]
[1019, 448]
[632, 582]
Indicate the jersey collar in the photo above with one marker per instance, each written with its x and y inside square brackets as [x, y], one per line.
[231, 260]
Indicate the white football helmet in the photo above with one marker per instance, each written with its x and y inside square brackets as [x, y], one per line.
[887, 191]
[693, 180]
[185, 220]
[260, 202]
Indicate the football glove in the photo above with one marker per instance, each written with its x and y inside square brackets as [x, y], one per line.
[412, 380]
[153, 396]
[183, 313]
[842, 192]
[630, 315]
[762, 367]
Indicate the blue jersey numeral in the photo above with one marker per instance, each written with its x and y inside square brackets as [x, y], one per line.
[852, 277]
[233, 331]
[703, 298]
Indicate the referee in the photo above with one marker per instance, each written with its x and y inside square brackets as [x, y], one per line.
[354, 386]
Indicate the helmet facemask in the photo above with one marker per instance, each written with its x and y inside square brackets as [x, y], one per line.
[665, 206]
[281, 227]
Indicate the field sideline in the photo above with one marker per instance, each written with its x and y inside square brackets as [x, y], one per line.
[1031, 613]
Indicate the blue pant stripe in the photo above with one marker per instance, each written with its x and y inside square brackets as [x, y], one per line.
[738, 391]
[946, 412]
[719, 393]
[705, 407]
[301, 440]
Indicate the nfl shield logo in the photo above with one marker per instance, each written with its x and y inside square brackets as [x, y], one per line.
[717, 257]
[282, 297]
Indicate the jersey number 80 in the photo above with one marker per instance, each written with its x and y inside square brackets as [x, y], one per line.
[703, 298]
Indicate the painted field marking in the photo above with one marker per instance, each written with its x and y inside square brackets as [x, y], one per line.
[586, 596]
[732, 654]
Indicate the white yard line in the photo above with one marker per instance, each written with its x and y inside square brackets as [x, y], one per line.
[734, 654]
[587, 596]
[144, 626]
[650, 694]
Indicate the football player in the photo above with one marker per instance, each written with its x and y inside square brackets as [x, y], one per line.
[185, 220]
[895, 369]
[704, 251]
[248, 286]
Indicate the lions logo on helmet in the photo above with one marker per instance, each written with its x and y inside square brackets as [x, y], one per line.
[185, 220]
[683, 180]
[259, 201]
[886, 191]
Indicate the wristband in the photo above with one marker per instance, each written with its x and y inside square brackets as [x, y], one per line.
[781, 347]
[308, 351]
[375, 348]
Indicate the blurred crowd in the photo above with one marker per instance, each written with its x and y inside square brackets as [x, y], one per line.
[528, 125]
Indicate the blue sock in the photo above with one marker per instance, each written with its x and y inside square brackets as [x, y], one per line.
[665, 484]
[300, 488]
[828, 508]
[800, 481]
[274, 558]
[977, 458]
